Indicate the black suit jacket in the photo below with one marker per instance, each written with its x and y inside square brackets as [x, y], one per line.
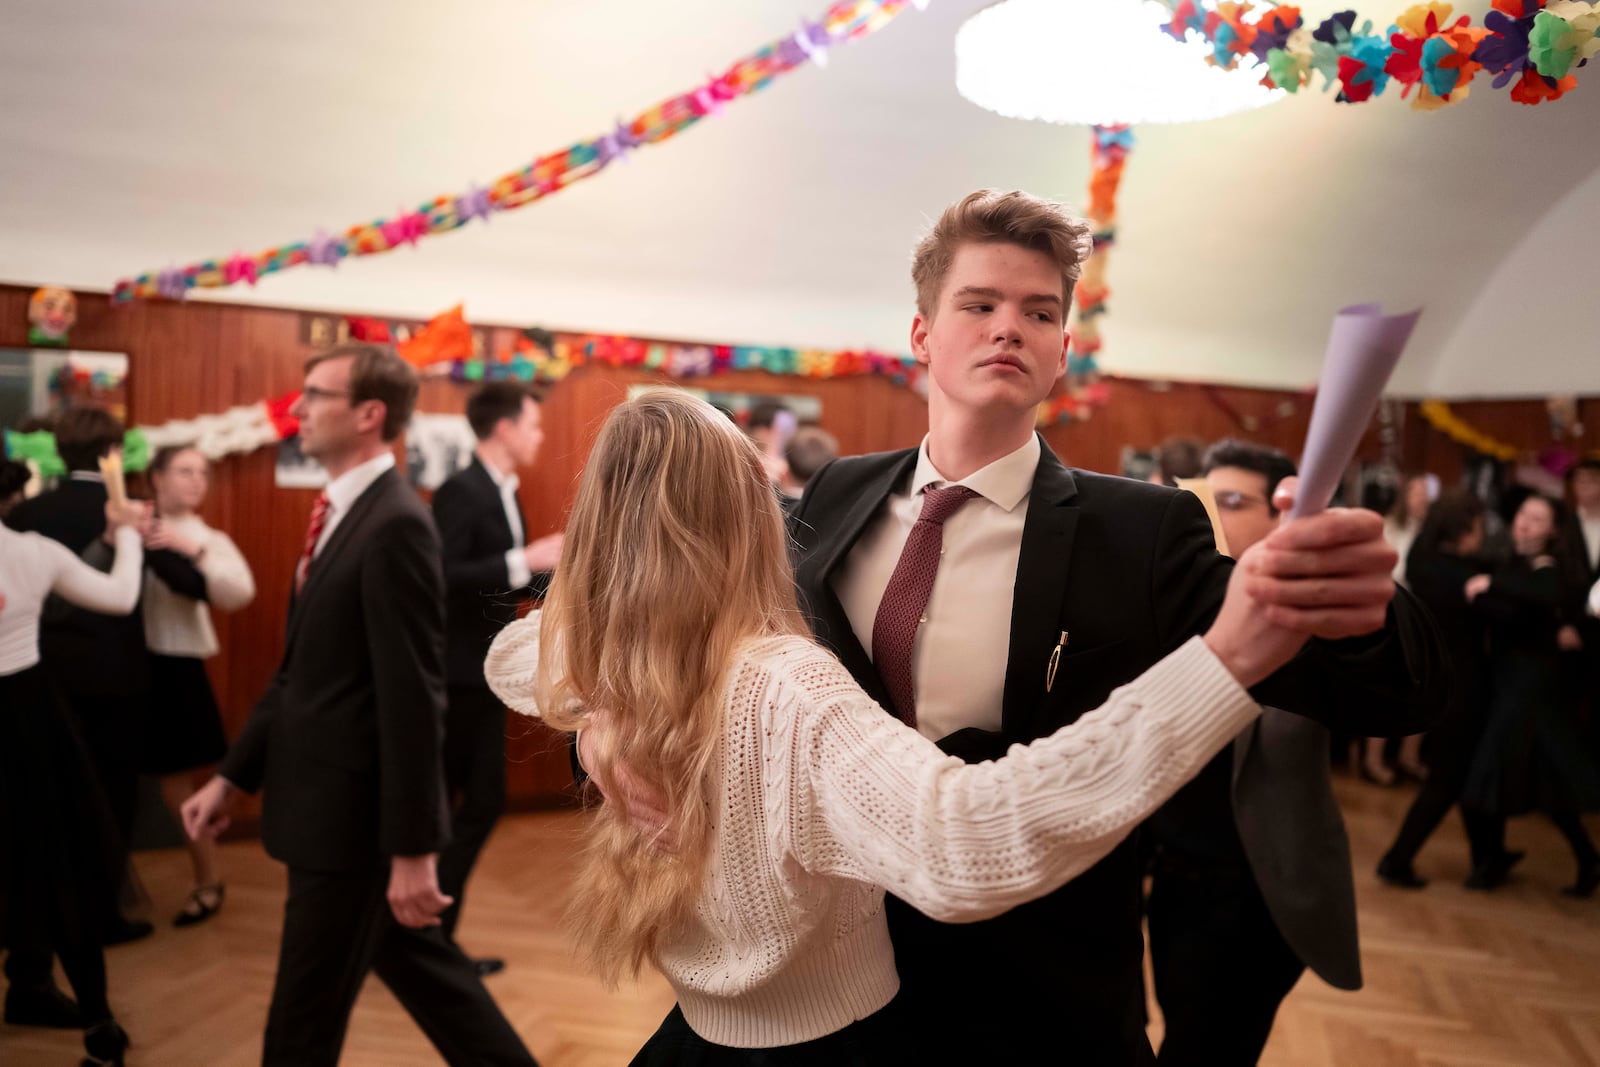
[479, 600]
[346, 740]
[89, 654]
[1130, 570]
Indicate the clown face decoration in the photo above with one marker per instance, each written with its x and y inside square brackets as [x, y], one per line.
[51, 313]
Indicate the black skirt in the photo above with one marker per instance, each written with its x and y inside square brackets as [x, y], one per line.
[183, 725]
[883, 1039]
[60, 864]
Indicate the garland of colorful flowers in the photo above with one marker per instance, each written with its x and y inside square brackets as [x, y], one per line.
[237, 430]
[846, 20]
[1529, 44]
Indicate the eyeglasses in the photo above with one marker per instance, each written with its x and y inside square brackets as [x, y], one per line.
[311, 392]
[1233, 500]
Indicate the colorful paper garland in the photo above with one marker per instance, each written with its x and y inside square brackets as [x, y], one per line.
[846, 20]
[237, 430]
[1530, 45]
[1441, 418]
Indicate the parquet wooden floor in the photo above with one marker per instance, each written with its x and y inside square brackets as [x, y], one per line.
[1510, 979]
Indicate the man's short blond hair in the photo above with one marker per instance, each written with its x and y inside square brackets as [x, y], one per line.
[989, 216]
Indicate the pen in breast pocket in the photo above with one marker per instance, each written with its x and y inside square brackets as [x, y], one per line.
[1055, 661]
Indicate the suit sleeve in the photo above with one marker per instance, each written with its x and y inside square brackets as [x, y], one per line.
[1387, 684]
[455, 513]
[402, 594]
[178, 572]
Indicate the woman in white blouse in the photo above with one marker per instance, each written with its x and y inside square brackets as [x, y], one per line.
[184, 733]
[59, 870]
[789, 799]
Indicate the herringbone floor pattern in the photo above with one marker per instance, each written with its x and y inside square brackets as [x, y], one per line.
[1453, 978]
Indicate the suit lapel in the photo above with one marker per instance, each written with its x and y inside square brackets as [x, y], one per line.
[829, 618]
[494, 504]
[342, 535]
[1041, 583]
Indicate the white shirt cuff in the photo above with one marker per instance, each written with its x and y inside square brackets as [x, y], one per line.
[517, 572]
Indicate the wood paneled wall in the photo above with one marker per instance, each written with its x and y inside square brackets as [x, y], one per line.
[197, 358]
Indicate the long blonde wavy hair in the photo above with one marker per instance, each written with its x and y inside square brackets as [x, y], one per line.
[675, 554]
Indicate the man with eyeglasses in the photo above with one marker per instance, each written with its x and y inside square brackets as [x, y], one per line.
[346, 744]
[1252, 865]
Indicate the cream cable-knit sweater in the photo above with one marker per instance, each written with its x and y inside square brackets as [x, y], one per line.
[826, 800]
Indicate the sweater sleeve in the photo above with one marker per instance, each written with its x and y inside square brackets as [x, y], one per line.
[229, 581]
[512, 662]
[873, 800]
[78, 583]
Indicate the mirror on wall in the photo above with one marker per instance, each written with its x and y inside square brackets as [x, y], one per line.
[35, 383]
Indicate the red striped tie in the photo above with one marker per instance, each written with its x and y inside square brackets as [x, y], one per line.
[319, 519]
[905, 598]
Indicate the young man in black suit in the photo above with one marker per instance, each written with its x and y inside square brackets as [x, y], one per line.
[1252, 882]
[489, 567]
[1055, 586]
[98, 664]
[346, 743]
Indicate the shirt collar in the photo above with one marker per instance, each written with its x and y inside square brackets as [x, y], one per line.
[506, 482]
[344, 490]
[88, 476]
[1005, 483]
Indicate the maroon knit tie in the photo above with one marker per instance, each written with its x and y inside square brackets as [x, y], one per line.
[905, 598]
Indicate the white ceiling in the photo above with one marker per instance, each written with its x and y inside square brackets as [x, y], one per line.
[138, 136]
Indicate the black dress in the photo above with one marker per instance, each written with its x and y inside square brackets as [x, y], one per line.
[1531, 756]
[183, 725]
[60, 861]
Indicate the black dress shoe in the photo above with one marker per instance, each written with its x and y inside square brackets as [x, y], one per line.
[488, 965]
[1492, 873]
[1400, 875]
[42, 1006]
[128, 932]
[105, 1042]
[1588, 881]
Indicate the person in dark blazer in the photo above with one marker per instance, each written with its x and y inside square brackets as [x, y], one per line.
[489, 568]
[1445, 564]
[1251, 879]
[1583, 549]
[346, 743]
[1054, 587]
[97, 662]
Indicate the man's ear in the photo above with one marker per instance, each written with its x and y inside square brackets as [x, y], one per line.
[920, 325]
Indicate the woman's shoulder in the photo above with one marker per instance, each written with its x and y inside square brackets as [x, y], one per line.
[794, 665]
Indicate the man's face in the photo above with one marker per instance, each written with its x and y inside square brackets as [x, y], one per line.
[1586, 488]
[997, 340]
[524, 434]
[1242, 506]
[329, 424]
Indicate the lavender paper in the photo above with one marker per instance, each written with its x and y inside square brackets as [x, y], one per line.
[1363, 348]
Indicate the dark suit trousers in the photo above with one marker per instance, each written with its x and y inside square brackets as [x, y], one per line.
[1221, 967]
[475, 776]
[337, 927]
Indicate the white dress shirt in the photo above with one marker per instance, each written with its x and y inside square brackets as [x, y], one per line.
[346, 489]
[958, 658]
[517, 572]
